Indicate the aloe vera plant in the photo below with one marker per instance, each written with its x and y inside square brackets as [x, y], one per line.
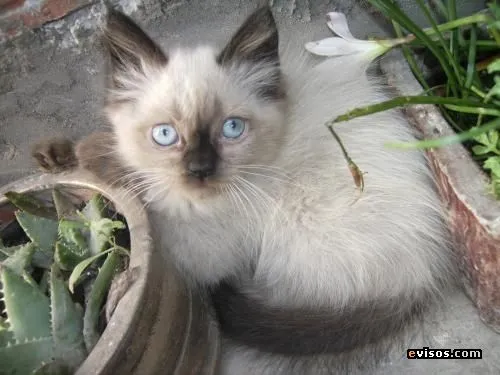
[51, 307]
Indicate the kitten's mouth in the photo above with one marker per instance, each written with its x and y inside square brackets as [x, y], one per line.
[205, 183]
[200, 181]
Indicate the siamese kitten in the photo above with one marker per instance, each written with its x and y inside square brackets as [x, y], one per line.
[253, 201]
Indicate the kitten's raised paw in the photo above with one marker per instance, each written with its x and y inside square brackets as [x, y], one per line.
[54, 155]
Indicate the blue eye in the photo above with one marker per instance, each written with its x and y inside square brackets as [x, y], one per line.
[165, 135]
[233, 127]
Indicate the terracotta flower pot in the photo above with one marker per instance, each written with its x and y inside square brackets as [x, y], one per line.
[158, 327]
[473, 214]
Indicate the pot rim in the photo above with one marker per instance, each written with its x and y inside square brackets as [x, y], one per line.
[124, 322]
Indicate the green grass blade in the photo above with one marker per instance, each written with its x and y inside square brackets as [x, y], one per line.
[410, 100]
[417, 72]
[478, 18]
[440, 7]
[475, 110]
[448, 52]
[471, 59]
[393, 12]
[448, 140]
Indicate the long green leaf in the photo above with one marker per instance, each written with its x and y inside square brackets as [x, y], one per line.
[96, 298]
[80, 267]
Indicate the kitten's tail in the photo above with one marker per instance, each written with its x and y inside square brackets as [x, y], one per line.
[301, 332]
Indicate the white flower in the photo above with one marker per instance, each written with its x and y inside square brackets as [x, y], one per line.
[346, 44]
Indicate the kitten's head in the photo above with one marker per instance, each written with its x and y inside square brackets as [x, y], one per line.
[192, 120]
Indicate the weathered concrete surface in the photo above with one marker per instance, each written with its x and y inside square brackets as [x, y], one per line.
[51, 83]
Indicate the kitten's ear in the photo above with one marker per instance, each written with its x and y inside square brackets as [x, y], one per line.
[129, 48]
[256, 40]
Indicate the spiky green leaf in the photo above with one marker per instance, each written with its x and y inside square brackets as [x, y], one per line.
[31, 204]
[100, 233]
[28, 309]
[94, 209]
[40, 230]
[42, 259]
[71, 231]
[24, 357]
[67, 322]
[64, 206]
[68, 255]
[20, 259]
[6, 335]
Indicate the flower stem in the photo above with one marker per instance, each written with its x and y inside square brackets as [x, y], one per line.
[356, 172]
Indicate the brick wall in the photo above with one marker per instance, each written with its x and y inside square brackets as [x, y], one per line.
[19, 15]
